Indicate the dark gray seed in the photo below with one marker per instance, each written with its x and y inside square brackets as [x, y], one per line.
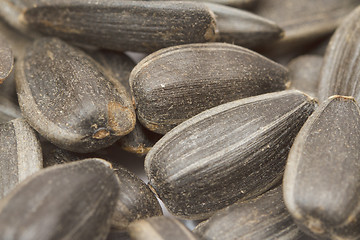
[243, 28]
[119, 65]
[8, 110]
[174, 84]
[340, 71]
[322, 181]
[304, 73]
[232, 152]
[160, 228]
[20, 154]
[140, 26]
[53, 155]
[70, 201]
[17, 41]
[117, 235]
[305, 20]
[265, 217]
[233, 3]
[140, 140]
[69, 99]
[135, 200]
[6, 59]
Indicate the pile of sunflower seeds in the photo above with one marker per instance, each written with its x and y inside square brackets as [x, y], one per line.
[245, 113]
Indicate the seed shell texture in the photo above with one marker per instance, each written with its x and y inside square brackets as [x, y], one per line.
[233, 3]
[340, 71]
[6, 59]
[305, 20]
[141, 26]
[322, 181]
[69, 99]
[242, 27]
[17, 41]
[20, 154]
[174, 84]
[8, 110]
[232, 152]
[265, 217]
[160, 228]
[140, 140]
[119, 64]
[70, 201]
[304, 73]
[135, 200]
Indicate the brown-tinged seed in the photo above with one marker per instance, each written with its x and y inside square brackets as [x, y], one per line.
[140, 140]
[322, 181]
[70, 201]
[140, 26]
[265, 217]
[20, 154]
[160, 228]
[69, 99]
[174, 84]
[340, 71]
[304, 72]
[6, 59]
[243, 28]
[232, 152]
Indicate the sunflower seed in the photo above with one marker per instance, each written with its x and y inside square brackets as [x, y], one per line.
[135, 200]
[123, 25]
[8, 110]
[70, 201]
[243, 28]
[68, 98]
[20, 154]
[159, 228]
[305, 20]
[6, 59]
[340, 71]
[321, 182]
[265, 217]
[232, 152]
[140, 140]
[304, 73]
[174, 84]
